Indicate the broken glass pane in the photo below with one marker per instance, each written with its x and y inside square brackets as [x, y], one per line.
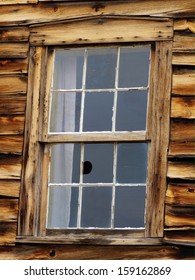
[65, 163]
[132, 163]
[68, 69]
[129, 207]
[96, 207]
[134, 67]
[63, 207]
[98, 111]
[65, 112]
[131, 110]
[101, 67]
[101, 158]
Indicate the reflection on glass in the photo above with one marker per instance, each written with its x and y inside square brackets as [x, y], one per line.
[132, 163]
[68, 69]
[101, 65]
[63, 206]
[98, 111]
[131, 110]
[101, 158]
[134, 67]
[129, 207]
[65, 163]
[96, 207]
[65, 112]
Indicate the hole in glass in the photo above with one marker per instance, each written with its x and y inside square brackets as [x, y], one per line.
[87, 167]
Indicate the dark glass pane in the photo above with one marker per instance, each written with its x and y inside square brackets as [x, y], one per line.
[96, 207]
[68, 69]
[132, 163]
[63, 207]
[101, 67]
[98, 111]
[131, 111]
[129, 207]
[134, 67]
[101, 158]
[65, 163]
[65, 112]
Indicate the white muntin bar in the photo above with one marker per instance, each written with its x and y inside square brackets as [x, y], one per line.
[114, 182]
[115, 91]
[101, 90]
[80, 188]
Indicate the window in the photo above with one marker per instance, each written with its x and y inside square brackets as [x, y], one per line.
[96, 141]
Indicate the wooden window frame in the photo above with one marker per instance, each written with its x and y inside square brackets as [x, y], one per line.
[33, 199]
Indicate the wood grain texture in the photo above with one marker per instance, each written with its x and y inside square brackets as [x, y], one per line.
[184, 42]
[11, 124]
[102, 30]
[13, 50]
[181, 149]
[12, 104]
[181, 170]
[185, 236]
[183, 58]
[183, 107]
[10, 188]
[8, 210]
[181, 194]
[13, 84]
[7, 233]
[10, 167]
[183, 83]
[13, 66]
[15, 2]
[83, 252]
[11, 144]
[20, 34]
[179, 216]
[184, 24]
[182, 130]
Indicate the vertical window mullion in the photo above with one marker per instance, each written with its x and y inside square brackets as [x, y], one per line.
[80, 188]
[114, 185]
[116, 91]
[83, 90]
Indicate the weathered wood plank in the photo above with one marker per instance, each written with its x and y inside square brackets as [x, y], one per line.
[10, 188]
[15, 2]
[11, 144]
[13, 84]
[181, 194]
[20, 34]
[13, 66]
[184, 42]
[183, 107]
[50, 12]
[10, 167]
[182, 130]
[180, 236]
[72, 252]
[102, 30]
[183, 83]
[184, 24]
[7, 233]
[181, 149]
[11, 125]
[8, 210]
[12, 104]
[183, 58]
[179, 216]
[13, 50]
[181, 170]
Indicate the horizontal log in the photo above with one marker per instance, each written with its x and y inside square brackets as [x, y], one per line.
[13, 84]
[180, 236]
[50, 12]
[181, 194]
[179, 216]
[9, 188]
[181, 149]
[184, 24]
[20, 34]
[14, 2]
[183, 83]
[8, 210]
[181, 170]
[183, 107]
[13, 66]
[182, 130]
[11, 144]
[10, 167]
[11, 125]
[102, 30]
[7, 233]
[184, 42]
[12, 104]
[183, 59]
[13, 50]
[83, 252]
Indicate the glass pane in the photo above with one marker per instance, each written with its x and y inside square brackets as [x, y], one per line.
[96, 207]
[98, 111]
[63, 207]
[129, 207]
[132, 163]
[65, 163]
[134, 67]
[101, 67]
[101, 158]
[131, 110]
[68, 69]
[65, 112]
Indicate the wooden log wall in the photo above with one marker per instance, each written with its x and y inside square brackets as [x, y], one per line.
[15, 18]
